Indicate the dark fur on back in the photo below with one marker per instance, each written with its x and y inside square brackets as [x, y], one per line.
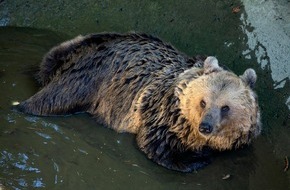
[59, 56]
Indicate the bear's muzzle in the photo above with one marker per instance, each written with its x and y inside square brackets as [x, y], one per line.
[205, 128]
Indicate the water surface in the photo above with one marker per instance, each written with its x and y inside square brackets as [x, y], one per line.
[76, 153]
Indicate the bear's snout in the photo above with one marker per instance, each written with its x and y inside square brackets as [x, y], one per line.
[205, 128]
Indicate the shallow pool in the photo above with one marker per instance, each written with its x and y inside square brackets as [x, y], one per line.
[74, 152]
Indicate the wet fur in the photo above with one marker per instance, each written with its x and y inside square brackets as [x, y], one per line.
[137, 83]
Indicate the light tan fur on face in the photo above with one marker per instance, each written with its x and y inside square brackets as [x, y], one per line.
[218, 89]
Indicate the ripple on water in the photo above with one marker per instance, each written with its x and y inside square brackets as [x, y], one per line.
[18, 168]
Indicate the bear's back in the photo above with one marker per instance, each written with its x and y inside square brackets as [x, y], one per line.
[125, 49]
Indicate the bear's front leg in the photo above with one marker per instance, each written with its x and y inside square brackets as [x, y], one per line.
[166, 149]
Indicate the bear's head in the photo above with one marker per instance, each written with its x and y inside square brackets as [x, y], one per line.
[219, 107]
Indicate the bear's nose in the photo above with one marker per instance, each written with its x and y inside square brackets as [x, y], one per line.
[205, 128]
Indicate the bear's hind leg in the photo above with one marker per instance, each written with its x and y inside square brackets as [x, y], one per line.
[58, 98]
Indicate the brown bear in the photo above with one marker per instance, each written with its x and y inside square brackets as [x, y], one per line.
[180, 108]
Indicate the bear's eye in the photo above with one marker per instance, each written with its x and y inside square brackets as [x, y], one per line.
[202, 104]
[225, 109]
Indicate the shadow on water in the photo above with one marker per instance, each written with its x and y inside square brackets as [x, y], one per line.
[76, 153]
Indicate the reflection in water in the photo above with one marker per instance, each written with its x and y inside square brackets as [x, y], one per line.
[56, 168]
[271, 45]
[20, 169]
[16, 166]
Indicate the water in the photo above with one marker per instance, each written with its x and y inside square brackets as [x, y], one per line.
[76, 153]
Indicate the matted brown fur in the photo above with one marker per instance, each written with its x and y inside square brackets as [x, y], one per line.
[180, 108]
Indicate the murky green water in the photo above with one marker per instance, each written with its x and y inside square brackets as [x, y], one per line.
[76, 153]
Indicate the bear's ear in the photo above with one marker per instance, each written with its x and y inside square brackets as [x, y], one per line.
[249, 77]
[211, 65]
